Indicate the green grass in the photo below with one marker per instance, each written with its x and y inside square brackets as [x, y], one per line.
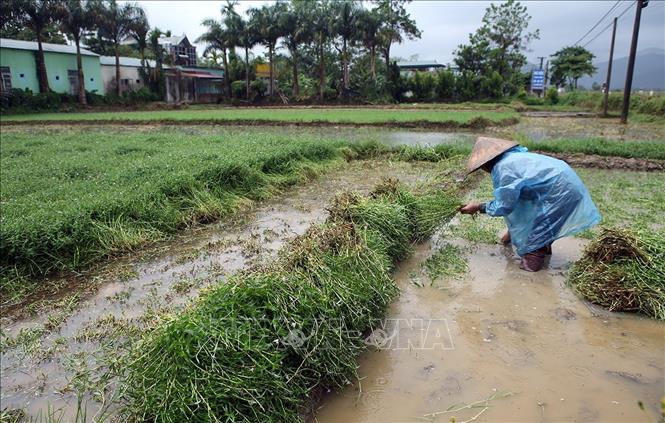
[448, 261]
[601, 147]
[73, 197]
[625, 198]
[288, 115]
[261, 346]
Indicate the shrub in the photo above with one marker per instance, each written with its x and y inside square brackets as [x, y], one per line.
[552, 95]
[445, 85]
[491, 86]
[259, 87]
[238, 89]
[422, 85]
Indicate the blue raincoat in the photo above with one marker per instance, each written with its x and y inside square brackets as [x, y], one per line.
[541, 198]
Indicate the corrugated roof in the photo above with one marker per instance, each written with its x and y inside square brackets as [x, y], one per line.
[420, 64]
[175, 40]
[52, 48]
[131, 62]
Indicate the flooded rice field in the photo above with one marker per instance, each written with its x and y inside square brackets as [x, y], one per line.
[499, 345]
[52, 357]
[491, 344]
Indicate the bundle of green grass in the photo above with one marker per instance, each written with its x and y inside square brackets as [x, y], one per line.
[624, 270]
[265, 344]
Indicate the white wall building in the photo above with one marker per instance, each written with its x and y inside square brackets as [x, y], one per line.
[130, 76]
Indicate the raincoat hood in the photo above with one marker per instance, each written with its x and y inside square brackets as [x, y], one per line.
[484, 150]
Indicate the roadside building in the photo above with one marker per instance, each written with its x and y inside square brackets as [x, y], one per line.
[131, 78]
[409, 68]
[18, 67]
[181, 51]
[194, 85]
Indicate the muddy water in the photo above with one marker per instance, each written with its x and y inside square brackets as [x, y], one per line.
[518, 346]
[76, 348]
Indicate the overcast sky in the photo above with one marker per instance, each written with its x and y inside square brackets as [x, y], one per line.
[446, 24]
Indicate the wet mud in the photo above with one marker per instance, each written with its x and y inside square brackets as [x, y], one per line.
[502, 344]
[604, 162]
[63, 353]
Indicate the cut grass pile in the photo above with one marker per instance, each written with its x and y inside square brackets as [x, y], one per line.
[623, 270]
[360, 116]
[73, 197]
[263, 345]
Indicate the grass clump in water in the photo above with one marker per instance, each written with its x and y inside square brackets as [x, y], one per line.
[448, 261]
[262, 346]
[623, 270]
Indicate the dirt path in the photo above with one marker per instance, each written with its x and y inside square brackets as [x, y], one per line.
[50, 358]
[521, 341]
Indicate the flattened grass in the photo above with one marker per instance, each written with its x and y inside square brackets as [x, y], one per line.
[262, 345]
[288, 115]
[71, 198]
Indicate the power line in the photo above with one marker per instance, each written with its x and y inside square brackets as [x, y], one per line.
[610, 24]
[598, 23]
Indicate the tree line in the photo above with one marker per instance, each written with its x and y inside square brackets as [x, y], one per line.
[325, 49]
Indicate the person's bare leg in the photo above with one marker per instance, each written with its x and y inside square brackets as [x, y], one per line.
[533, 261]
[505, 238]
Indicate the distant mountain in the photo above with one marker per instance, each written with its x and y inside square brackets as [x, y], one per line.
[649, 71]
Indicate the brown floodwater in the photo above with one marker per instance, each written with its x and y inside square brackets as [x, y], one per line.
[503, 345]
[51, 370]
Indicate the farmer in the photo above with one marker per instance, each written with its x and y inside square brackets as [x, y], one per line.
[541, 198]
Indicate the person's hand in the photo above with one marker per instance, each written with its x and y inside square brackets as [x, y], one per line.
[471, 208]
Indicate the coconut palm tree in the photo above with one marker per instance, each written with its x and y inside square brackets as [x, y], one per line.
[346, 26]
[265, 24]
[138, 31]
[321, 21]
[215, 37]
[37, 15]
[75, 18]
[369, 24]
[294, 25]
[115, 24]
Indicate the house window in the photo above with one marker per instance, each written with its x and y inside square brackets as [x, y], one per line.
[6, 76]
[57, 77]
[138, 81]
[92, 79]
[22, 75]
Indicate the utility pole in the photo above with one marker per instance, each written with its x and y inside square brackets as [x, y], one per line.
[541, 61]
[631, 60]
[609, 68]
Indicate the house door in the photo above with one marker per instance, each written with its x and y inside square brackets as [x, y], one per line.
[73, 76]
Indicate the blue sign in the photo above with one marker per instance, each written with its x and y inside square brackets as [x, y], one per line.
[538, 80]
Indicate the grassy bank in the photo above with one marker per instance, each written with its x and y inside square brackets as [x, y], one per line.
[654, 150]
[71, 198]
[360, 116]
[262, 346]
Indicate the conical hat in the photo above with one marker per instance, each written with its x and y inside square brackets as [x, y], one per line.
[484, 150]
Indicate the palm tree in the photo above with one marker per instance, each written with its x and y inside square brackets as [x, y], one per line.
[157, 76]
[138, 30]
[265, 23]
[245, 37]
[75, 19]
[294, 24]
[345, 26]
[397, 23]
[321, 28]
[37, 15]
[215, 38]
[115, 24]
[369, 24]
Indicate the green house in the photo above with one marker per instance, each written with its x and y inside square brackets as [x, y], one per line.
[18, 67]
